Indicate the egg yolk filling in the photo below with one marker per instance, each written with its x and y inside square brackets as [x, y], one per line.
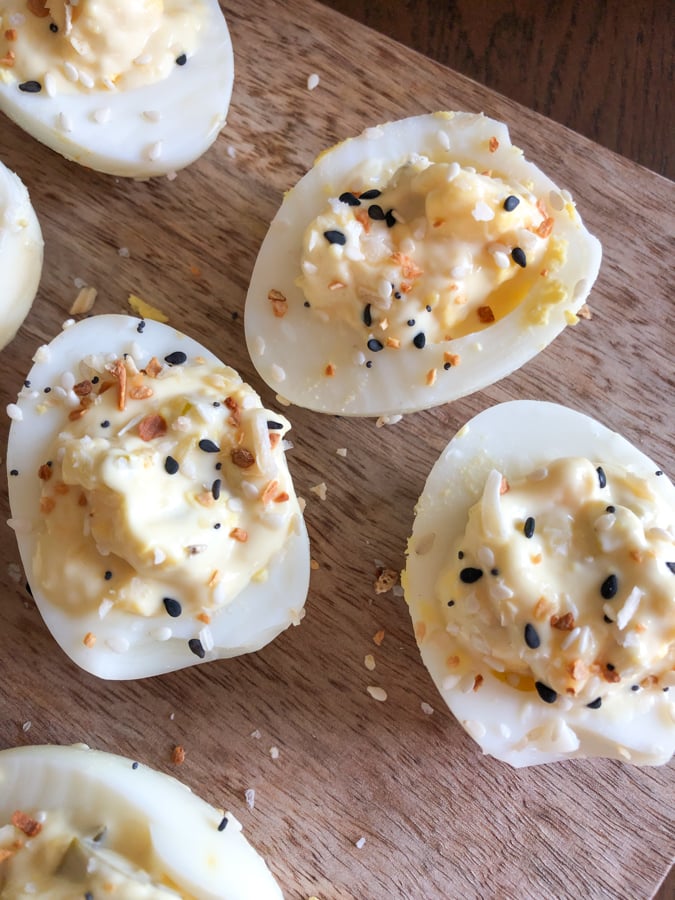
[47, 854]
[67, 47]
[168, 486]
[564, 582]
[436, 253]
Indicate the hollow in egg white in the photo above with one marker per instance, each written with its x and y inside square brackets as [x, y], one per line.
[81, 822]
[540, 580]
[21, 250]
[136, 89]
[152, 504]
[414, 264]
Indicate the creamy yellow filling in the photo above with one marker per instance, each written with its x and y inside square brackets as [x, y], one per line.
[183, 494]
[94, 45]
[435, 253]
[566, 579]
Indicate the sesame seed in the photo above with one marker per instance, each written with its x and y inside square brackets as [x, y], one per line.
[608, 620]
[602, 478]
[369, 364]
[108, 575]
[420, 340]
[451, 602]
[367, 318]
[510, 203]
[531, 637]
[335, 237]
[460, 555]
[176, 358]
[217, 526]
[14, 472]
[671, 566]
[30, 87]
[173, 607]
[518, 256]
[371, 194]
[105, 423]
[171, 465]
[374, 345]
[134, 765]
[609, 587]
[376, 213]
[547, 694]
[410, 322]
[197, 648]
[447, 366]
[390, 219]
[53, 27]
[215, 488]
[610, 509]
[312, 81]
[397, 295]
[349, 199]
[155, 151]
[596, 704]
[377, 693]
[222, 825]
[470, 575]
[208, 446]
[181, 60]
[528, 528]
[635, 687]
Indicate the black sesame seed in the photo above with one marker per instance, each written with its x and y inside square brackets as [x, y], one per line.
[532, 639]
[635, 687]
[26, 383]
[274, 426]
[349, 199]
[528, 528]
[596, 704]
[411, 322]
[460, 555]
[518, 256]
[375, 345]
[447, 366]
[30, 87]
[177, 358]
[390, 218]
[215, 488]
[88, 895]
[215, 403]
[428, 308]
[610, 509]
[659, 472]
[470, 575]
[197, 647]
[420, 340]
[547, 694]
[171, 465]
[371, 194]
[367, 317]
[53, 27]
[307, 304]
[234, 315]
[451, 602]
[369, 364]
[108, 575]
[609, 587]
[140, 328]
[494, 572]
[335, 237]
[95, 379]
[14, 472]
[376, 213]
[105, 423]
[134, 765]
[181, 60]
[510, 203]
[397, 295]
[671, 566]
[608, 620]
[218, 466]
[47, 390]
[217, 526]
[208, 446]
[665, 690]
[222, 825]
[610, 667]
[602, 478]
[173, 607]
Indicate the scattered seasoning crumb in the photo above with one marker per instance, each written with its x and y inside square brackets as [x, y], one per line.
[378, 637]
[341, 451]
[26, 823]
[360, 844]
[249, 795]
[145, 310]
[314, 565]
[320, 490]
[385, 581]
[477, 682]
[377, 693]
[84, 301]
[89, 639]
[585, 312]
[279, 303]
[426, 708]
[178, 755]
[369, 661]
[312, 81]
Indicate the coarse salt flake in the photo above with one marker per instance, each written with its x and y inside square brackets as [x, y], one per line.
[320, 490]
[14, 412]
[249, 795]
[427, 708]
[377, 693]
[369, 661]
[274, 752]
[312, 81]
[360, 843]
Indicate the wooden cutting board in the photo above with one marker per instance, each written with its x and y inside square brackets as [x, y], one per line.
[439, 820]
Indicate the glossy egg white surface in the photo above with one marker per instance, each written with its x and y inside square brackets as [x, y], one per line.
[20, 254]
[325, 364]
[517, 438]
[188, 845]
[129, 645]
[139, 131]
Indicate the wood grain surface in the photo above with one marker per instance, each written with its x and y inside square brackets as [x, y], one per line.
[602, 69]
[439, 820]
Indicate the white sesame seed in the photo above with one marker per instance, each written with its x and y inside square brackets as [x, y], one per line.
[64, 122]
[377, 693]
[312, 81]
[143, 60]
[152, 115]
[14, 412]
[154, 151]
[482, 212]
[86, 80]
[206, 638]
[102, 116]
[66, 324]
[443, 139]
[277, 373]
[162, 634]
[70, 72]
[49, 84]
[476, 729]
[104, 608]
[118, 644]
[369, 661]
[26, 726]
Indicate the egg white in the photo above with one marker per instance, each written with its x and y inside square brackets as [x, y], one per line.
[103, 789]
[291, 353]
[515, 726]
[260, 612]
[187, 111]
[21, 250]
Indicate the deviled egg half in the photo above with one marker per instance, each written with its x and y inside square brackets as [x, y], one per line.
[76, 822]
[20, 254]
[540, 580]
[414, 264]
[152, 504]
[135, 87]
